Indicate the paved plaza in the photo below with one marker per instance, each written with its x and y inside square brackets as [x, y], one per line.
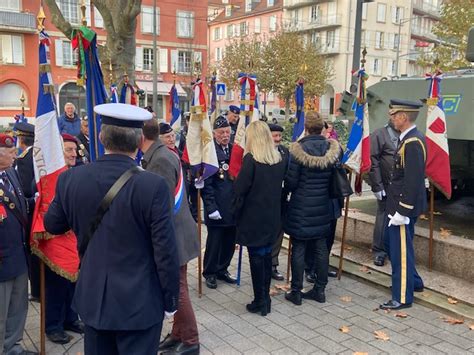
[227, 328]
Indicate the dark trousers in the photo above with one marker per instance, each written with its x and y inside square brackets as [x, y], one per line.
[381, 220]
[193, 200]
[59, 294]
[277, 247]
[123, 342]
[34, 276]
[310, 257]
[184, 324]
[321, 261]
[402, 257]
[220, 247]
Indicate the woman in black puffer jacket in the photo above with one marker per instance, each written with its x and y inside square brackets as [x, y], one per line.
[308, 215]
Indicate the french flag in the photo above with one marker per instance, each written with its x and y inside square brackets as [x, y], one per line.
[59, 253]
[357, 154]
[438, 169]
[298, 129]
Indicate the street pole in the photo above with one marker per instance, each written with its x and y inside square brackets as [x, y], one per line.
[398, 48]
[155, 61]
[357, 39]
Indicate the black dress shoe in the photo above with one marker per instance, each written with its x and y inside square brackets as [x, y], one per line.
[211, 282]
[77, 327]
[276, 274]
[379, 261]
[184, 349]
[315, 294]
[226, 278]
[169, 343]
[332, 273]
[393, 305]
[310, 277]
[59, 337]
[294, 297]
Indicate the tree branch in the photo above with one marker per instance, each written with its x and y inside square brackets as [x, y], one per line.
[58, 19]
[106, 16]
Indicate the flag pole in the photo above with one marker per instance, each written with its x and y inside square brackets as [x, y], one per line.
[430, 261]
[42, 310]
[200, 242]
[344, 230]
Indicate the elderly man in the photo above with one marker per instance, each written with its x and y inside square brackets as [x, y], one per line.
[69, 122]
[126, 285]
[13, 253]
[233, 116]
[217, 195]
[83, 137]
[158, 158]
[168, 137]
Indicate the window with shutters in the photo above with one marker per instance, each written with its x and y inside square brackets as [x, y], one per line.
[379, 38]
[218, 54]
[243, 28]
[70, 10]
[185, 24]
[258, 25]
[364, 11]
[217, 33]
[184, 61]
[316, 39]
[270, 3]
[331, 39]
[10, 94]
[397, 14]
[11, 49]
[148, 59]
[273, 23]
[163, 60]
[377, 66]
[392, 67]
[147, 19]
[396, 41]
[248, 5]
[69, 55]
[315, 13]
[98, 20]
[230, 31]
[10, 5]
[381, 11]
[228, 10]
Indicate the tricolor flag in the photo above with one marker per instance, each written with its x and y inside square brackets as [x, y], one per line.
[298, 129]
[127, 94]
[248, 94]
[59, 253]
[438, 169]
[114, 94]
[200, 150]
[175, 122]
[357, 155]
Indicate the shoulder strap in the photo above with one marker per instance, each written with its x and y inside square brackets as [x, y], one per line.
[105, 204]
[409, 140]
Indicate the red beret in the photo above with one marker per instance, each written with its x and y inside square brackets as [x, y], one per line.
[69, 138]
[6, 141]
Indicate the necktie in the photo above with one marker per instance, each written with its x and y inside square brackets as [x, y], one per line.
[6, 182]
[226, 151]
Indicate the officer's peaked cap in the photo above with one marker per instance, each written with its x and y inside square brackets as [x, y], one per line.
[397, 105]
[123, 115]
[24, 129]
[234, 109]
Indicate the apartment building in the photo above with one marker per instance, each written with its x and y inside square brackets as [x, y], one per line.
[181, 39]
[234, 19]
[393, 32]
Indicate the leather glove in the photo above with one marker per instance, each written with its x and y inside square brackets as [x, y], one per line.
[215, 215]
[199, 183]
[397, 220]
[168, 315]
[380, 195]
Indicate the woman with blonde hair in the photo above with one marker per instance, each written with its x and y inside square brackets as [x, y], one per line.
[257, 207]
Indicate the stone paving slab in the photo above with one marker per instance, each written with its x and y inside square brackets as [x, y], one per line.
[227, 328]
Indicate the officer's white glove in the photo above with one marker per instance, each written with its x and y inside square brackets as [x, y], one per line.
[397, 219]
[199, 183]
[168, 315]
[215, 215]
[380, 195]
[37, 194]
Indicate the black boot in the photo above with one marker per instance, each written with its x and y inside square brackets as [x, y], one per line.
[316, 293]
[257, 271]
[268, 280]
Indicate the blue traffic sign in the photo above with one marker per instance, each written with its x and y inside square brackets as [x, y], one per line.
[220, 89]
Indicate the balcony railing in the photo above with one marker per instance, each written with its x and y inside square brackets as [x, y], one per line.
[421, 32]
[17, 21]
[317, 23]
[290, 4]
[426, 8]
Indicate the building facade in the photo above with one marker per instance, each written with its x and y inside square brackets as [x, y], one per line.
[233, 19]
[181, 40]
[394, 32]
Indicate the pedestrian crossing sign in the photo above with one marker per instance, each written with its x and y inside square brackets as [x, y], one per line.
[220, 88]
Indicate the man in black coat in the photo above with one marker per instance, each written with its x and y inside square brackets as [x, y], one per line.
[406, 200]
[129, 277]
[83, 144]
[217, 195]
[233, 117]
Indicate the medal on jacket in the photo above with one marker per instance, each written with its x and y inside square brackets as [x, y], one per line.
[3, 213]
[223, 167]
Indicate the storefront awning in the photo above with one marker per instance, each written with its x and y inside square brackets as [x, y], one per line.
[162, 88]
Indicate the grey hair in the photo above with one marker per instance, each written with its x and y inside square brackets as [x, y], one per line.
[120, 139]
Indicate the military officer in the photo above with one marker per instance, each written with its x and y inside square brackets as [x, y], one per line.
[13, 253]
[383, 145]
[233, 116]
[217, 195]
[406, 200]
[126, 285]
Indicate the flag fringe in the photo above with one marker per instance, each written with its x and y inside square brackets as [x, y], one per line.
[71, 277]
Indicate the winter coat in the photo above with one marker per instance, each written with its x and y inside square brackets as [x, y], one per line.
[69, 126]
[308, 177]
[257, 202]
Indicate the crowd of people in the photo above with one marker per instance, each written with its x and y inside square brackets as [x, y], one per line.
[136, 227]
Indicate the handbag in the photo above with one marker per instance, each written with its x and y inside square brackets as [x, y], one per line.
[339, 185]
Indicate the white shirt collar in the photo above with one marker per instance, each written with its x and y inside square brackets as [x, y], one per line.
[404, 133]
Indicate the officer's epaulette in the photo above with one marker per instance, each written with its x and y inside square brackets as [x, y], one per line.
[402, 149]
[23, 154]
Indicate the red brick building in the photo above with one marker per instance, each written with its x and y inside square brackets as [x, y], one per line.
[181, 40]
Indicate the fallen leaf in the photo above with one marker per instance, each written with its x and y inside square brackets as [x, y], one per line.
[360, 353]
[365, 269]
[387, 311]
[346, 298]
[273, 292]
[471, 327]
[445, 232]
[345, 329]
[381, 335]
[452, 300]
[282, 287]
[423, 217]
[401, 315]
[436, 213]
[426, 295]
[452, 321]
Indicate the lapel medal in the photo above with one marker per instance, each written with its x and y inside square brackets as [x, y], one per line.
[3, 213]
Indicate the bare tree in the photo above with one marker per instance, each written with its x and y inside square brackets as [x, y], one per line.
[120, 22]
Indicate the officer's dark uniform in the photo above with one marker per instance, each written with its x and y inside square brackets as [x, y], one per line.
[217, 195]
[406, 195]
[130, 271]
[234, 126]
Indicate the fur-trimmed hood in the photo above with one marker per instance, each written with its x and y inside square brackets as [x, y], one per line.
[314, 161]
